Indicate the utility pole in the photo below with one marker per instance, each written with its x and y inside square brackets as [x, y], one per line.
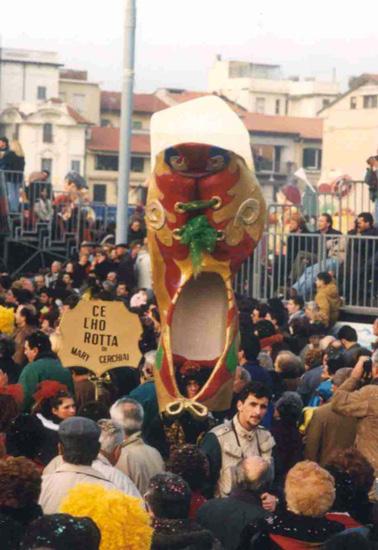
[126, 123]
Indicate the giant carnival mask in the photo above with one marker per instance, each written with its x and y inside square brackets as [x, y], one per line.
[205, 214]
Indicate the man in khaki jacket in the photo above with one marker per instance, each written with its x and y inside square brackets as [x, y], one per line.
[137, 460]
[363, 405]
[228, 444]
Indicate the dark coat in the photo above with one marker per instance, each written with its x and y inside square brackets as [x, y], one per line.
[288, 449]
[46, 367]
[227, 517]
[126, 273]
[288, 530]
[13, 162]
[181, 534]
[11, 369]
[103, 269]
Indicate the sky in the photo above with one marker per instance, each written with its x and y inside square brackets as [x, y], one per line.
[177, 40]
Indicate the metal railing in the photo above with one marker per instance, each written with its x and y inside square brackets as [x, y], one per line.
[292, 261]
[280, 261]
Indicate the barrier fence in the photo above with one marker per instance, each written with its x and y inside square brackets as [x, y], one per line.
[281, 260]
[284, 262]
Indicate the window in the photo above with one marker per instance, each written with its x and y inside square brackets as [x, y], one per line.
[137, 125]
[370, 101]
[78, 101]
[41, 92]
[286, 106]
[105, 123]
[260, 104]
[107, 162]
[312, 158]
[47, 133]
[99, 192]
[46, 164]
[62, 96]
[75, 165]
[263, 156]
[137, 164]
[353, 102]
[326, 102]
[278, 105]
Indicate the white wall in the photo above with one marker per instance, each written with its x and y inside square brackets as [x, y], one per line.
[68, 143]
[19, 82]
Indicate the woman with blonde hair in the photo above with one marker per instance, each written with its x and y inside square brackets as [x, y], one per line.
[309, 494]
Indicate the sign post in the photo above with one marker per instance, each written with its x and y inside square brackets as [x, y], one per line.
[99, 336]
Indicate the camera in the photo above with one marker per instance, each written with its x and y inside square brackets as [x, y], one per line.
[368, 365]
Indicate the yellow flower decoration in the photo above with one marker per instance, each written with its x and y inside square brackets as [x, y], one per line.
[122, 520]
[6, 320]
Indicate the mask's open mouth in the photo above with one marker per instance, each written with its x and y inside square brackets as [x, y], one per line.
[198, 327]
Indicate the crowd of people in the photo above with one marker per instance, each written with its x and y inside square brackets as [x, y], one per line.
[93, 464]
[300, 254]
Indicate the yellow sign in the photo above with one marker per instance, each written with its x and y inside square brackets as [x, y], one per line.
[99, 336]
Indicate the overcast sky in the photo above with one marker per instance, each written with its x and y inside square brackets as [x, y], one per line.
[177, 40]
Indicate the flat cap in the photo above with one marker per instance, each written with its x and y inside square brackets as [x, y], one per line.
[79, 427]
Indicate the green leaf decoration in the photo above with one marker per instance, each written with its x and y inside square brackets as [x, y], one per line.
[200, 237]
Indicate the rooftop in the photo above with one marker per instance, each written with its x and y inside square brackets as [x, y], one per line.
[107, 140]
[30, 56]
[143, 103]
[73, 74]
[308, 128]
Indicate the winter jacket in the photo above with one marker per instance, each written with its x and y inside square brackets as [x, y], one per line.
[329, 303]
[363, 405]
[46, 367]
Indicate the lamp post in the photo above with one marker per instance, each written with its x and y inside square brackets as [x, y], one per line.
[126, 122]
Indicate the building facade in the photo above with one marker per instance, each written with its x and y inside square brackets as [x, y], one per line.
[27, 75]
[82, 95]
[144, 106]
[102, 165]
[351, 129]
[52, 135]
[261, 88]
[281, 145]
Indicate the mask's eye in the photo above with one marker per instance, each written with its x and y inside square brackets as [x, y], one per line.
[215, 163]
[177, 162]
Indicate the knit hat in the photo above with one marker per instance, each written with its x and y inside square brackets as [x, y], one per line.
[292, 193]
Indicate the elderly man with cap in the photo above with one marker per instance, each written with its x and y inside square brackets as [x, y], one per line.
[79, 447]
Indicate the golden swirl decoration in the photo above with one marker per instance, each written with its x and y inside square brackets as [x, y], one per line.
[155, 215]
[248, 212]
